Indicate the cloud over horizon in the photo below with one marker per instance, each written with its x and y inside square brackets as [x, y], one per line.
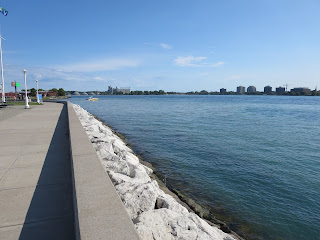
[100, 65]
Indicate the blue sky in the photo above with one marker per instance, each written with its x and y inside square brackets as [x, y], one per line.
[174, 45]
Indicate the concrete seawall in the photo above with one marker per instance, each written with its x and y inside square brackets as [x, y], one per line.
[52, 184]
[100, 213]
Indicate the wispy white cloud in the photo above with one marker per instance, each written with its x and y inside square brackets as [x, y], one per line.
[100, 66]
[218, 64]
[190, 61]
[165, 46]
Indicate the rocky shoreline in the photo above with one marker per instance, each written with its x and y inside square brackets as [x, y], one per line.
[156, 212]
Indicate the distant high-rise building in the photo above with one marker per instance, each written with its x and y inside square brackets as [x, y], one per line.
[223, 90]
[302, 91]
[280, 90]
[110, 90]
[241, 90]
[125, 90]
[116, 90]
[267, 90]
[251, 89]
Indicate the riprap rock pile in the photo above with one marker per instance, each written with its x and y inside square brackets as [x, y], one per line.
[156, 215]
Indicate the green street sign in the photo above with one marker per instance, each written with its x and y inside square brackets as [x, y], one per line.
[17, 84]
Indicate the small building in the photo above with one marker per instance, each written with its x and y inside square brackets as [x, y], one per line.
[223, 90]
[280, 90]
[267, 90]
[50, 94]
[251, 89]
[76, 93]
[9, 94]
[241, 90]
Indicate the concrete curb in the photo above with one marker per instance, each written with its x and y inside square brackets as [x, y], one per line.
[99, 211]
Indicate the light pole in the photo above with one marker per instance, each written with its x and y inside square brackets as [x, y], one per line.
[38, 101]
[26, 90]
[2, 80]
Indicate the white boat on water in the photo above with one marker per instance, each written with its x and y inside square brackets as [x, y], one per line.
[92, 99]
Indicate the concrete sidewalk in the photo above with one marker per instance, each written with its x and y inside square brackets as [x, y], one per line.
[35, 175]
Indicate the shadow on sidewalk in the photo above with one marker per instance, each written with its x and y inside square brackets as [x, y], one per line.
[50, 214]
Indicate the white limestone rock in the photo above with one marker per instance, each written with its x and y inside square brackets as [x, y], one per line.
[138, 197]
[155, 214]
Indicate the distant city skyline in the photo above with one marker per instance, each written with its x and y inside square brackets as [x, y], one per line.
[172, 45]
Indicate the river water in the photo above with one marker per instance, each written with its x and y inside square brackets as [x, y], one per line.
[253, 160]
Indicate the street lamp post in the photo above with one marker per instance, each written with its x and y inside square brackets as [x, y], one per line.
[26, 90]
[2, 80]
[38, 100]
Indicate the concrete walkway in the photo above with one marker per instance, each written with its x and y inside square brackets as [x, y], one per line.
[35, 174]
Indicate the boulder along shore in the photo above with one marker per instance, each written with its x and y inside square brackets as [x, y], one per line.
[156, 213]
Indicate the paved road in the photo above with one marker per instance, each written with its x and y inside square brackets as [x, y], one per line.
[35, 173]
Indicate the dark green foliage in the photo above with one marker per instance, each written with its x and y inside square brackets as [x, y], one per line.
[61, 92]
[33, 92]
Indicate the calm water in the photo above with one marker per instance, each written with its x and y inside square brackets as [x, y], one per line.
[254, 159]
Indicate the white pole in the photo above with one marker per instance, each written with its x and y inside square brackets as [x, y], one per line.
[26, 90]
[38, 101]
[3, 93]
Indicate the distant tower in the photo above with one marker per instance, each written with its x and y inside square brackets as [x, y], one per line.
[223, 90]
[251, 89]
[241, 90]
[280, 90]
[110, 90]
[267, 90]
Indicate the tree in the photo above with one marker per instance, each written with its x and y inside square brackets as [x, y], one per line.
[54, 90]
[61, 92]
[203, 92]
[33, 92]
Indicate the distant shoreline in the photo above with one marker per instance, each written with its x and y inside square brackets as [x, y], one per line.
[186, 94]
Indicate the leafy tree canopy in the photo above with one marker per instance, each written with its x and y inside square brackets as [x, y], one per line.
[61, 92]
